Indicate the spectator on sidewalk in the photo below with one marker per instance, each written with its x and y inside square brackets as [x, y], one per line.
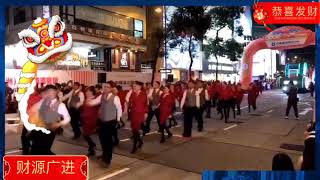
[282, 162]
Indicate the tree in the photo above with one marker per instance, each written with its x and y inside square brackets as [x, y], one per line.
[158, 35]
[225, 17]
[188, 24]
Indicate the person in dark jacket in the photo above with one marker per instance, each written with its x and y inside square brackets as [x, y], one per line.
[311, 89]
[292, 100]
[282, 162]
[308, 157]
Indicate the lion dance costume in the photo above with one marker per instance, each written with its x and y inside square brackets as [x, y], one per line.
[46, 42]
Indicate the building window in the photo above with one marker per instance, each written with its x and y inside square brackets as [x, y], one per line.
[138, 28]
[20, 15]
[67, 13]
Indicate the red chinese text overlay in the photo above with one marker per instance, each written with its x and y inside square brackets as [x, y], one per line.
[45, 167]
[287, 13]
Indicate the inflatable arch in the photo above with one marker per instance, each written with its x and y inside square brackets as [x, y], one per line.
[286, 37]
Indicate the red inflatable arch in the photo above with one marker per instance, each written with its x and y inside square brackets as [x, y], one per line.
[286, 37]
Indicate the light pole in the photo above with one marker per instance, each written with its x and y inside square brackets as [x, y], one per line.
[165, 40]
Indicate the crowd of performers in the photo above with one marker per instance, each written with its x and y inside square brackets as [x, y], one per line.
[97, 109]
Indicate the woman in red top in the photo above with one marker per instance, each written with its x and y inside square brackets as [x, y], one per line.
[166, 106]
[172, 91]
[253, 93]
[89, 117]
[138, 111]
[239, 97]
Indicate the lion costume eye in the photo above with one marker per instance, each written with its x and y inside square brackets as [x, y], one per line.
[56, 27]
[29, 38]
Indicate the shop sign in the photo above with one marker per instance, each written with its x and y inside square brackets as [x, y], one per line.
[106, 35]
[74, 60]
[165, 71]
[101, 16]
[124, 61]
[286, 42]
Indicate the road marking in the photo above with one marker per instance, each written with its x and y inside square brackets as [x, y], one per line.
[230, 127]
[305, 111]
[124, 140]
[244, 107]
[114, 174]
[154, 132]
[270, 111]
[306, 103]
[13, 151]
[177, 135]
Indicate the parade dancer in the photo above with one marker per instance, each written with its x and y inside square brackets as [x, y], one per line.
[128, 95]
[253, 93]
[25, 139]
[122, 95]
[110, 113]
[138, 112]
[154, 99]
[233, 100]
[211, 92]
[224, 97]
[166, 106]
[172, 119]
[189, 106]
[89, 117]
[218, 98]
[47, 113]
[98, 89]
[239, 97]
[75, 101]
[202, 98]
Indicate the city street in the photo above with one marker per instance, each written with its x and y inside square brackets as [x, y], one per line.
[246, 143]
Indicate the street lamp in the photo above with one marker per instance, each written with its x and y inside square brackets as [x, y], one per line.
[158, 10]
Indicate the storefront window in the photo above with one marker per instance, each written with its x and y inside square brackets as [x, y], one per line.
[138, 28]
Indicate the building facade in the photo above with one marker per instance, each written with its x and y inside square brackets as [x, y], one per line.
[106, 39]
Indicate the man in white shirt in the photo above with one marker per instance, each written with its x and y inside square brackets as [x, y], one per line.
[202, 98]
[75, 101]
[154, 95]
[52, 115]
[110, 113]
[189, 104]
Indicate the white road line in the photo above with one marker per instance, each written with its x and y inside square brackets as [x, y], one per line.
[270, 111]
[230, 127]
[114, 174]
[177, 135]
[305, 111]
[124, 140]
[13, 151]
[154, 132]
[244, 107]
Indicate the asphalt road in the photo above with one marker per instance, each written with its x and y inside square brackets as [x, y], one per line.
[247, 143]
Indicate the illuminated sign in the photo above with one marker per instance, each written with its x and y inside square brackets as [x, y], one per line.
[124, 61]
